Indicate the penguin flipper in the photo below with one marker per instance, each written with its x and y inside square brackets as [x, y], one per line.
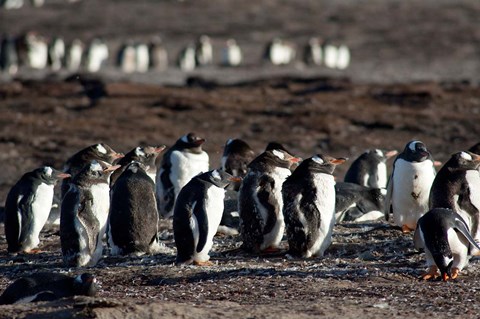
[183, 224]
[388, 198]
[13, 225]
[26, 225]
[461, 226]
[168, 190]
[202, 219]
[266, 199]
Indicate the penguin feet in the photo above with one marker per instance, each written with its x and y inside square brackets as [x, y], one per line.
[455, 271]
[270, 250]
[34, 251]
[406, 229]
[203, 263]
[432, 273]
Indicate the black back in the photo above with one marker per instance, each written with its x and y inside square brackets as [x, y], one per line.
[366, 163]
[364, 199]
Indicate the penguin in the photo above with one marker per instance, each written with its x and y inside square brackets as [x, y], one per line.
[84, 213]
[237, 154]
[446, 239]
[260, 201]
[127, 58]
[231, 55]
[186, 58]
[457, 186]
[343, 57]
[27, 208]
[37, 51]
[8, 55]
[204, 51]
[12, 4]
[145, 155]
[313, 53]
[357, 203]
[158, 55]
[409, 185]
[309, 206]
[330, 55]
[280, 52]
[100, 152]
[47, 286]
[197, 215]
[142, 58]
[73, 57]
[133, 222]
[370, 169]
[56, 54]
[180, 163]
[97, 55]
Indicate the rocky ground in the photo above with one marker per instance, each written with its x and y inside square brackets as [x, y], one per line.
[371, 269]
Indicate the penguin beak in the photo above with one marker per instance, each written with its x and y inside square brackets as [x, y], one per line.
[118, 155]
[63, 175]
[391, 154]
[476, 157]
[295, 159]
[437, 163]
[199, 141]
[112, 168]
[159, 149]
[338, 161]
[235, 179]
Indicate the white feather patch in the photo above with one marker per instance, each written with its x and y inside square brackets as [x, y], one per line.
[101, 149]
[317, 159]
[466, 156]
[185, 138]
[139, 151]
[48, 171]
[95, 166]
[278, 154]
[412, 145]
[216, 175]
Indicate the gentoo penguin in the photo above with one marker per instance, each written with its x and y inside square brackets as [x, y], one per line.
[37, 51]
[47, 286]
[158, 55]
[126, 58]
[231, 54]
[457, 186]
[74, 53]
[142, 57]
[343, 57]
[145, 155]
[197, 215]
[12, 4]
[186, 58]
[133, 222]
[100, 152]
[27, 208]
[204, 51]
[330, 55]
[370, 169]
[446, 239]
[409, 185]
[358, 203]
[84, 214]
[313, 53]
[56, 54]
[8, 55]
[260, 201]
[280, 52]
[278, 146]
[309, 205]
[97, 55]
[180, 163]
[237, 154]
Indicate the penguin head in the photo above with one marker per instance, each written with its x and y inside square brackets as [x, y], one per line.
[219, 178]
[135, 166]
[464, 161]
[416, 151]
[49, 175]
[100, 152]
[293, 162]
[85, 284]
[323, 163]
[146, 154]
[190, 142]
[237, 146]
[275, 158]
[381, 155]
[444, 262]
[95, 172]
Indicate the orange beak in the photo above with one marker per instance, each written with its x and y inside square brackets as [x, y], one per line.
[338, 161]
[391, 154]
[159, 149]
[112, 168]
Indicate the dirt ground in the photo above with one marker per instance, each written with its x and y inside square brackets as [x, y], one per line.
[414, 75]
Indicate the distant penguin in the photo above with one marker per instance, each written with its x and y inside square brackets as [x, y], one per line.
[409, 185]
[100, 152]
[180, 163]
[186, 58]
[457, 186]
[260, 201]
[37, 51]
[198, 211]
[231, 54]
[204, 51]
[97, 55]
[158, 55]
[280, 52]
[133, 222]
[84, 215]
[74, 53]
[343, 57]
[142, 58]
[56, 54]
[127, 58]
[446, 239]
[8, 55]
[27, 208]
[145, 155]
[313, 53]
[37, 3]
[237, 154]
[12, 4]
[309, 206]
[357, 203]
[47, 286]
[370, 169]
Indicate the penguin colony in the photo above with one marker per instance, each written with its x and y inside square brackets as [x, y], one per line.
[276, 194]
[34, 51]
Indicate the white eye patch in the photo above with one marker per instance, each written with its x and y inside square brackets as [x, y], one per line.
[278, 154]
[412, 145]
[101, 149]
[216, 175]
[95, 166]
[466, 156]
[184, 138]
[229, 141]
[48, 171]
[139, 151]
[317, 159]
[379, 152]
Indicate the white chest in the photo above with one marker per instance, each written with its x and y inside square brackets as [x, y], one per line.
[381, 175]
[186, 165]
[101, 202]
[42, 204]
[412, 181]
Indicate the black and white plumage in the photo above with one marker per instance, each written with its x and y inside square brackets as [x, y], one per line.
[27, 208]
[358, 203]
[198, 211]
[237, 154]
[9, 61]
[184, 160]
[126, 59]
[309, 206]
[260, 201]
[313, 52]
[370, 169]
[231, 54]
[84, 215]
[446, 239]
[457, 186]
[158, 55]
[409, 185]
[133, 222]
[46, 286]
[204, 51]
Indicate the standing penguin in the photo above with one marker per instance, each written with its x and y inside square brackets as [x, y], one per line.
[409, 185]
[180, 163]
[309, 206]
[133, 222]
[204, 51]
[27, 208]
[370, 169]
[8, 55]
[237, 154]
[198, 211]
[313, 53]
[73, 55]
[186, 58]
[158, 55]
[457, 186]
[84, 215]
[231, 54]
[445, 237]
[260, 201]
